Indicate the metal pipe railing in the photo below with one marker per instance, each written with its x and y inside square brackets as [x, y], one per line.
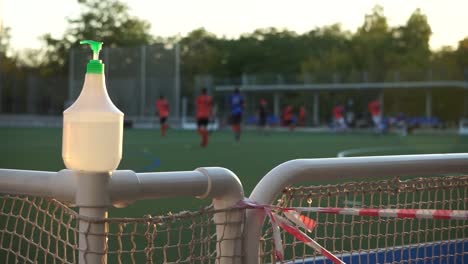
[338, 169]
[94, 193]
[59, 185]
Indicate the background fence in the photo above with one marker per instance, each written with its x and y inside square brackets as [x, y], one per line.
[137, 76]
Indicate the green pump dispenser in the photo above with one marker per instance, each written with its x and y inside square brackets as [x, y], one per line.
[95, 65]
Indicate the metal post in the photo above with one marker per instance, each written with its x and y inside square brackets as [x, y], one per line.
[382, 105]
[93, 236]
[218, 183]
[184, 110]
[279, 79]
[227, 191]
[31, 94]
[142, 81]
[316, 109]
[276, 104]
[93, 200]
[39, 183]
[88, 190]
[177, 82]
[428, 104]
[465, 103]
[245, 79]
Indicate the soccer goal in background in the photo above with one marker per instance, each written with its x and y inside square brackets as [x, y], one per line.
[380, 210]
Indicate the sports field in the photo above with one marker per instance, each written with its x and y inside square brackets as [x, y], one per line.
[250, 159]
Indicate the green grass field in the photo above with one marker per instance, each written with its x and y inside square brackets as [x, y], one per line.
[250, 159]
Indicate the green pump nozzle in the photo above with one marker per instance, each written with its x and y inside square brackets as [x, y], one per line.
[95, 46]
[95, 65]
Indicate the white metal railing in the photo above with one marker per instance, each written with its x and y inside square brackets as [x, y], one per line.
[94, 193]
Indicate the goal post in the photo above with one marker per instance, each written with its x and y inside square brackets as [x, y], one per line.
[94, 193]
[341, 170]
[39, 228]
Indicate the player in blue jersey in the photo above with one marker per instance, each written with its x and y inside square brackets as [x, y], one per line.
[237, 108]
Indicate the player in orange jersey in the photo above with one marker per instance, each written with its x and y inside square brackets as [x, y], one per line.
[162, 105]
[375, 109]
[204, 111]
[338, 115]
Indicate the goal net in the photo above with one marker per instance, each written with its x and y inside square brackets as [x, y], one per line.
[37, 230]
[369, 239]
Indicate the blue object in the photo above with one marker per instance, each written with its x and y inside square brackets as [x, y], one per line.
[424, 121]
[441, 252]
[273, 120]
[237, 104]
[252, 120]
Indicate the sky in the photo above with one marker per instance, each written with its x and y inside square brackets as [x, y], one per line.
[29, 19]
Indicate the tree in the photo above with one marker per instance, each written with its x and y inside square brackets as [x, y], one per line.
[200, 53]
[267, 51]
[462, 53]
[445, 65]
[413, 45]
[4, 39]
[373, 46]
[107, 21]
[327, 54]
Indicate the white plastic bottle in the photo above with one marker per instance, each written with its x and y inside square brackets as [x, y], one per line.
[93, 126]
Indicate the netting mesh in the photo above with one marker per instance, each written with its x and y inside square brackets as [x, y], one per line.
[186, 237]
[37, 230]
[344, 235]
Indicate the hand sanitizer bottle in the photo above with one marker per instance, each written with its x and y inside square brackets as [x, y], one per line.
[92, 125]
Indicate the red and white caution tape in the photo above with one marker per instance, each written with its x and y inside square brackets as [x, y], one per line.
[396, 213]
[293, 230]
[294, 220]
[292, 216]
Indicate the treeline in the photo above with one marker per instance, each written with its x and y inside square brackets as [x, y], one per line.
[374, 52]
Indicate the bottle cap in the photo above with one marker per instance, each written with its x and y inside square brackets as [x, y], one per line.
[95, 65]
